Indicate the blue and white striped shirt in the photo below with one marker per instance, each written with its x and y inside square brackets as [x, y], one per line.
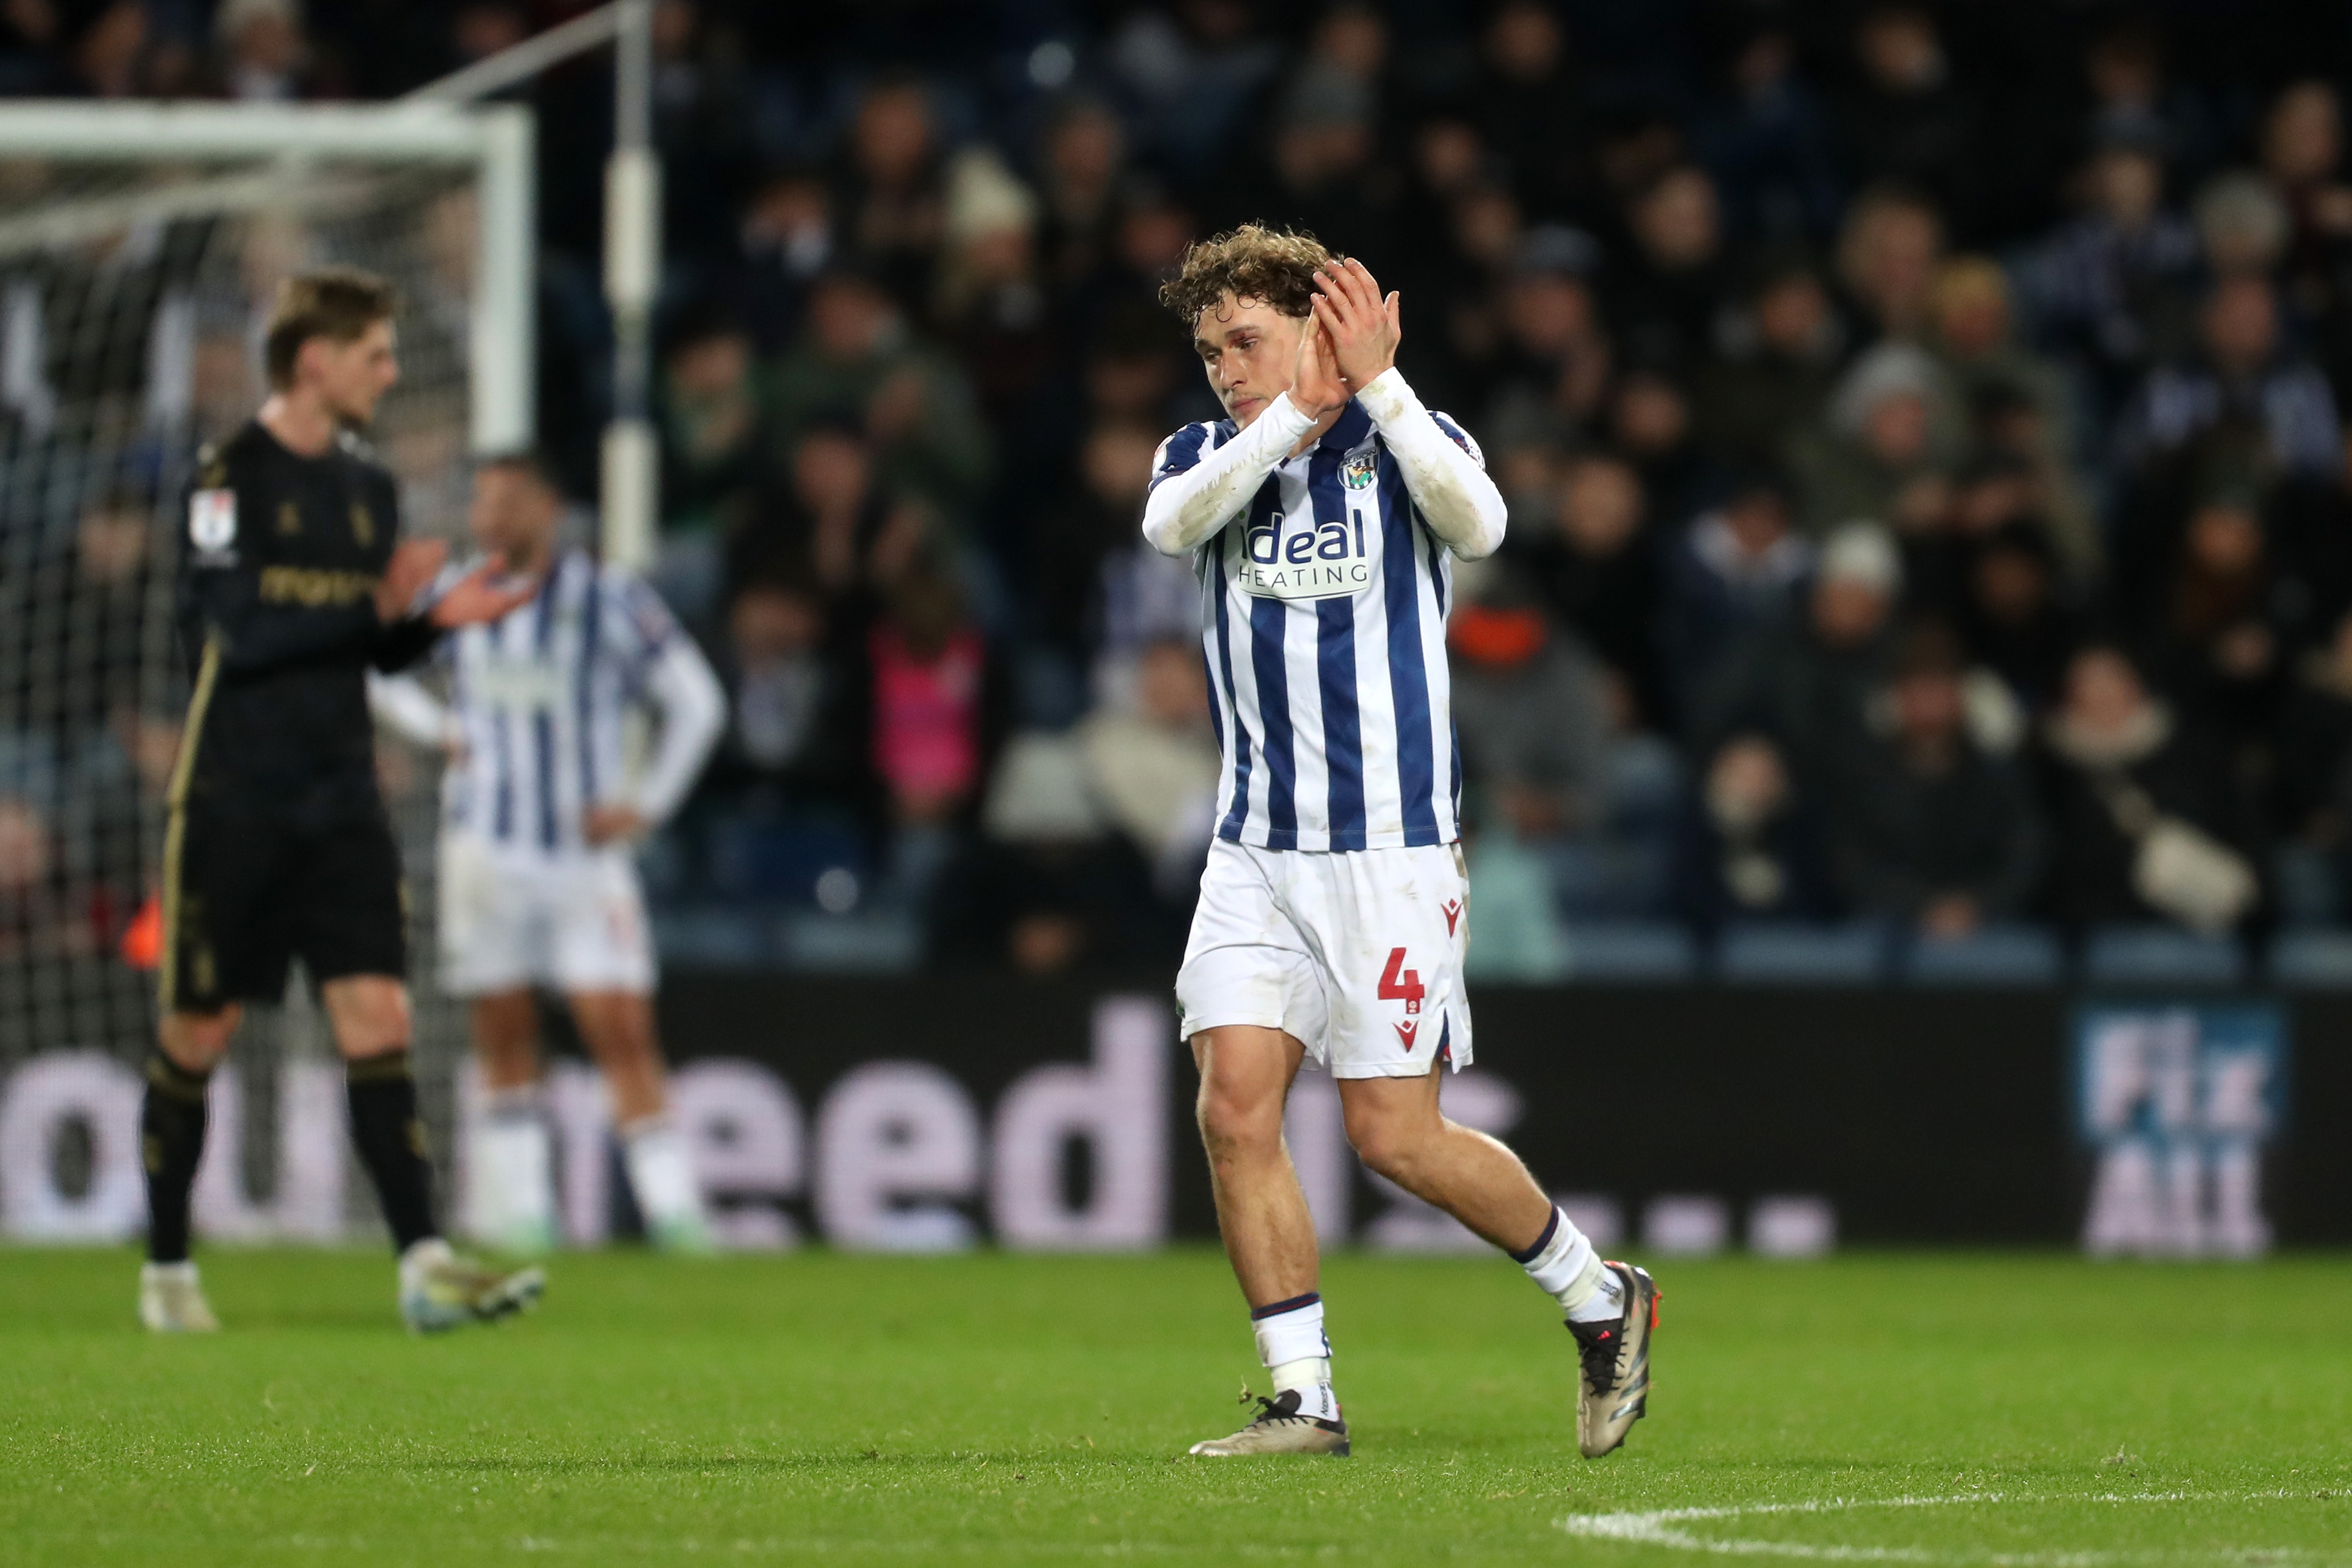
[537, 701]
[1323, 605]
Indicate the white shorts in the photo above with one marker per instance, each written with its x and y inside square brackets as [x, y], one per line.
[1355, 953]
[513, 918]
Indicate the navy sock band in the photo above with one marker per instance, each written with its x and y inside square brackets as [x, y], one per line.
[1535, 1249]
[1258, 1314]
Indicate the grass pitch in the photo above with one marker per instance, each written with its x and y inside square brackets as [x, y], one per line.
[996, 1409]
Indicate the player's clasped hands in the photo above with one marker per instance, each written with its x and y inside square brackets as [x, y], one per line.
[1363, 329]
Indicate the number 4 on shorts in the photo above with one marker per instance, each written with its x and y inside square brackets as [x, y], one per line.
[1397, 982]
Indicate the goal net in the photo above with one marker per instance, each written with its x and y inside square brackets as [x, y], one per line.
[140, 250]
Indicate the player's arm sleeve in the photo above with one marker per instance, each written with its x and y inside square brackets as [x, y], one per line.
[680, 682]
[222, 589]
[1443, 469]
[401, 643]
[1196, 493]
[402, 705]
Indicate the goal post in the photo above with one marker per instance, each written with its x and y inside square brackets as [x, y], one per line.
[139, 247]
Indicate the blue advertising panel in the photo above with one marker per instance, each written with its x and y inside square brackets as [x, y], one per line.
[2178, 1104]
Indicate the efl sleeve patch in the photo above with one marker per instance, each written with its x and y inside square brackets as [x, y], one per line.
[212, 519]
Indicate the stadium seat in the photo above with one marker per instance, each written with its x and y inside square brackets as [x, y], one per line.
[1990, 956]
[1787, 954]
[701, 937]
[875, 942]
[2319, 960]
[1629, 949]
[2161, 955]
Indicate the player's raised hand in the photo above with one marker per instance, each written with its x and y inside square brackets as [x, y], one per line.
[1315, 388]
[485, 593]
[414, 562]
[1364, 329]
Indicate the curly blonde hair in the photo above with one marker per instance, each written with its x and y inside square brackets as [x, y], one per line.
[1274, 266]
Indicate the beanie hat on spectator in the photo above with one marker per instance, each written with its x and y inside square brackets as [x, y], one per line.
[1863, 553]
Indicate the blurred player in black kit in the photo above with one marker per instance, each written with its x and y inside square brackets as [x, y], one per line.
[292, 585]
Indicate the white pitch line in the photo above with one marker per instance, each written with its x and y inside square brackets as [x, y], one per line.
[1658, 1528]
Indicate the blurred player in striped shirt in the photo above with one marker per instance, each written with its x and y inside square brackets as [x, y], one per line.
[538, 889]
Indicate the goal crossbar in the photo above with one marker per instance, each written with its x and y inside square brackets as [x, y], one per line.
[496, 141]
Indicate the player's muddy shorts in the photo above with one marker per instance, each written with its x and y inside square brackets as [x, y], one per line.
[1356, 953]
[246, 891]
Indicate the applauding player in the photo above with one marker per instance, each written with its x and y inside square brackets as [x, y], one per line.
[1322, 517]
[537, 885]
[292, 585]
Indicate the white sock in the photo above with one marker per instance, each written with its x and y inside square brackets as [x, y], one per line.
[513, 1185]
[1297, 1352]
[661, 1175]
[420, 1256]
[1564, 1265]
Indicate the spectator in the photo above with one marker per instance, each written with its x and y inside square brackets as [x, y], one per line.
[2302, 152]
[1532, 711]
[1541, 755]
[105, 49]
[1531, 109]
[1327, 133]
[1889, 450]
[712, 422]
[991, 305]
[2018, 619]
[891, 198]
[1650, 425]
[1085, 149]
[2133, 105]
[1666, 299]
[2244, 372]
[1806, 684]
[1045, 888]
[263, 51]
[786, 240]
[1767, 144]
[1732, 574]
[1188, 73]
[2146, 823]
[2108, 291]
[831, 521]
[1887, 255]
[1928, 830]
[1555, 364]
[1750, 848]
[2314, 784]
[1154, 766]
[917, 409]
[797, 721]
[2212, 632]
[1910, 121]
[1779, 364]
[927, 667]
[2022, 429]
[1068, 546]
[2242, 225]
[34, 921]
[1597, 567]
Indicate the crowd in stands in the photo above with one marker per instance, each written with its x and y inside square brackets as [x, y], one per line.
[1923, 428]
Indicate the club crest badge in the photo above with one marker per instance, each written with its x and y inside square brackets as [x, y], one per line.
[1362, 467]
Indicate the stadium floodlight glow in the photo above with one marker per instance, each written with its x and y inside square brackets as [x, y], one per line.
[302, 159]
